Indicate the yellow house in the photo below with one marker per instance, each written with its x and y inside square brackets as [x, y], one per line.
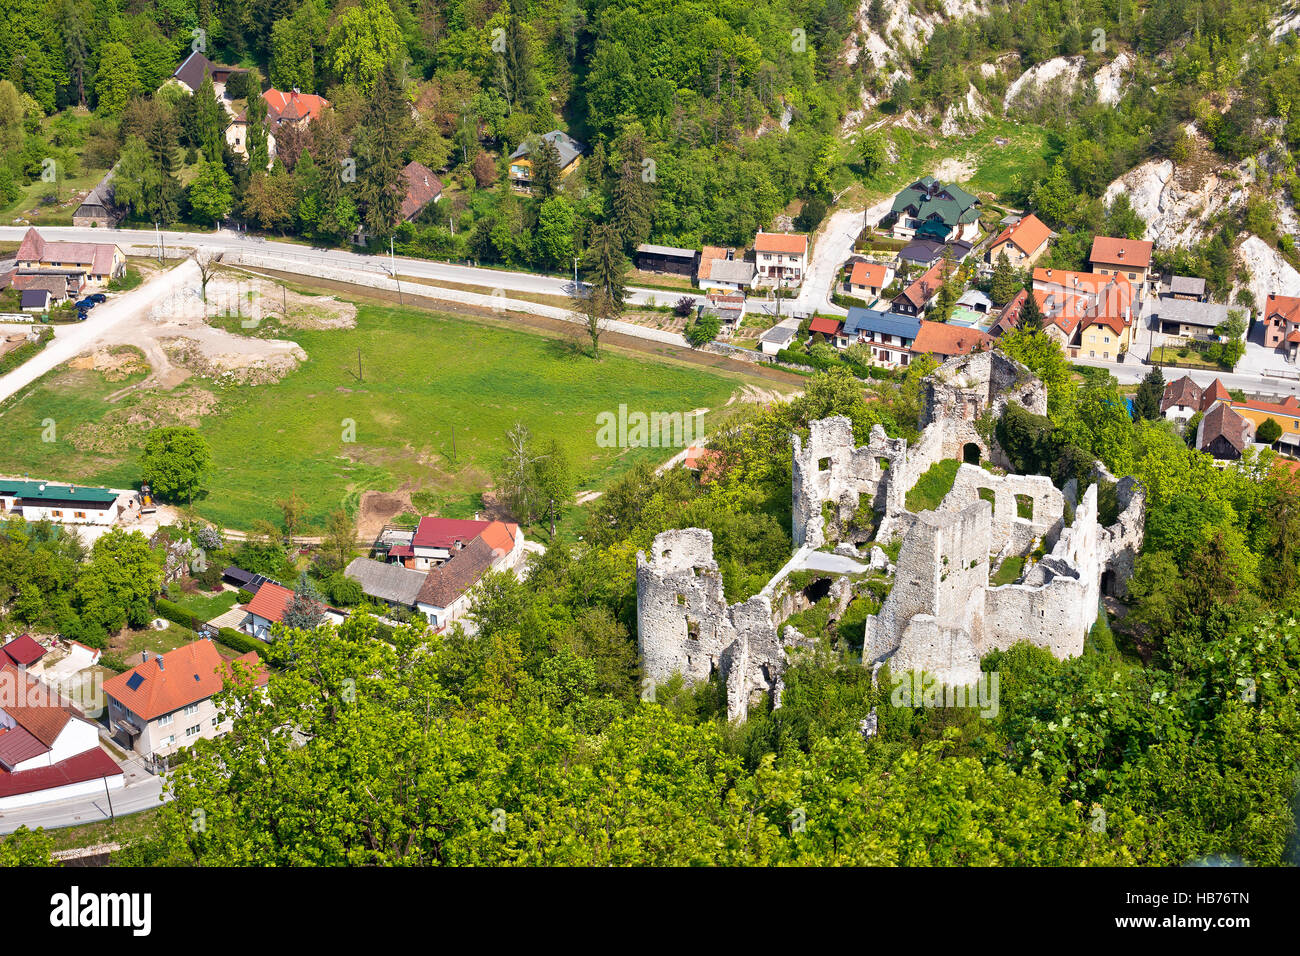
[521, 167]
[1286, 414]
[98, 262]
[1105, 338]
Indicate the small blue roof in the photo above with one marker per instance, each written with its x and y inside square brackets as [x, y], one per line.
[873, 320]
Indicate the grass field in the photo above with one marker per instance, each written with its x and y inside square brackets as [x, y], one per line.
[421, 375]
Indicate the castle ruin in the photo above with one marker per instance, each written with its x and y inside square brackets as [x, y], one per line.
[943, 611]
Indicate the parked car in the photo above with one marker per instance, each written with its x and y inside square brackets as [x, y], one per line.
[86, 304]
[97, 298]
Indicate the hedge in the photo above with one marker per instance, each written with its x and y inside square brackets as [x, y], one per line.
[239, 641]
[177, 614]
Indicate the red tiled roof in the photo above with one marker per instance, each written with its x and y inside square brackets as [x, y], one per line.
[1124, 252]
[789, 243]
[1026, 235]
[1285, 307]
[17, 745]
[84, 766]
[825, 325]
[923, 289]
[37, 709]
[22, 651]
[1216, 392]
[1289, 406]
[871, 274]
[1222, 422]
[188, 674]
[500, 537]
[707, 257]
[1183, 391]
[445, 532]
[290, 106]
[943, 339]
[422, 188]
[270, 602]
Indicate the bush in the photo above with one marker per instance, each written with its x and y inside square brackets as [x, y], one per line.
[209, 578]
[114, 662]
[243, 597]
[343, 591]
[239, 641]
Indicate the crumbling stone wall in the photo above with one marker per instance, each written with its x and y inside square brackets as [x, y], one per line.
[685, 626]
[958, 394]
[1014, 535]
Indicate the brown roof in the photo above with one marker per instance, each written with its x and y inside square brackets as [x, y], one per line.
[55, 285]
[97, 256]
[923, 289]
[943, 339]
[869, 274]
[1027, 235]
[449, 581]
[1222, 422]
[707, 256]
[35, 708]
[1183, 392]
[789, 243]
[1216, 392]
[290, 106]
[1123, 252]
[422, 188]
[187, 675]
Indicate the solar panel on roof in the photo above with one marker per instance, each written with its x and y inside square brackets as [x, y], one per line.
[134, 681]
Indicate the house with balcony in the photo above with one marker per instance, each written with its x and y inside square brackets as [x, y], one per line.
[1281, 322]
[1124, 258]
[568, 149]
[889, 334]
[929, 209]
[781, 258]
[1023, 242]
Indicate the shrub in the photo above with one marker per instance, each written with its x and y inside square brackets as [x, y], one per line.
[239, 641]
[243, 597]
[176, 614]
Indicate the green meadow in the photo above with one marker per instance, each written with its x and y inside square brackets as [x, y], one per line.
[331, 430]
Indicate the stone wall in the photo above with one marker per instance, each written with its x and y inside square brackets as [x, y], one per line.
[1011, 534]
[685, 626]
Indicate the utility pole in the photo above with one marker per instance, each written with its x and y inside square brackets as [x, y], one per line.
[392, 258]
[575, 275]
[111, 815]
[359, 376]
[158, 229]
[453, 444]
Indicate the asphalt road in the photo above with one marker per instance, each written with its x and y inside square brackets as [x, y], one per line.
[142, 795]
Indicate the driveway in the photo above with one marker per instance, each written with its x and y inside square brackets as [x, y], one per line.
[74, 339]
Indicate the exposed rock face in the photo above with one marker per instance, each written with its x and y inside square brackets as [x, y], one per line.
[1176, 202]
[685, 626]
[1270, 274]
[904, 30]
[1062, 71]
[965, 114]
[1110, 79]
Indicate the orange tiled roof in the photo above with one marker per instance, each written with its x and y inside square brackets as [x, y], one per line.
[270, 602]
[187, 675]
[869, 274]
[1285, 307]
[944, 339]
[1026, 235]
[1122, 252]
[789, 243]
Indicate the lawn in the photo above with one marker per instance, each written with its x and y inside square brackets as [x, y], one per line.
[204, 605]
[329, 433]
[932, 486]
[1009, 571]
[995, 164]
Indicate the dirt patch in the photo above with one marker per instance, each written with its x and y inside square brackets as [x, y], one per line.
[378, 508]
[292, 310]
[954, 170]
[243, 364]
[116, 363]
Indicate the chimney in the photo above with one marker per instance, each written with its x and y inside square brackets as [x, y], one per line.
[1121, 252]
[160, 662]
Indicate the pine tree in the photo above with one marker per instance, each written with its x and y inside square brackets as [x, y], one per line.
[1146, 403]
[1005, 281]
[546, 169]
[307, 608]
[386, 129]
[1031, 316]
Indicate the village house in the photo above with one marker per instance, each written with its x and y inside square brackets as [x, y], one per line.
[916, 298]
[422, 188]
[97, 263]
[1287, 415]
[391, 584]
[23, 652]
[924, 253]
[827, 327]
[521, 166]
[868, 280]
[269, 605]
[1223, 433]
[1106, 336]
[889, 334]
[667, 260]
[776, 338]
[945, 341]
[62, 504]
[928, 209]
[165, 702]
[294, 108]
[1183, 398]
[1281, 322]
[189, 75]
[729, 307]
[1189, 318]
[1023, 242]
[437, 539]
[1186, 288]
[1089, 314]
[781, 257]
[1127, 258]
[445, 594]
[49, 750]
[721, 268]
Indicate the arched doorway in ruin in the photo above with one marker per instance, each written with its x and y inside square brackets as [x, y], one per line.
[970, 453]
